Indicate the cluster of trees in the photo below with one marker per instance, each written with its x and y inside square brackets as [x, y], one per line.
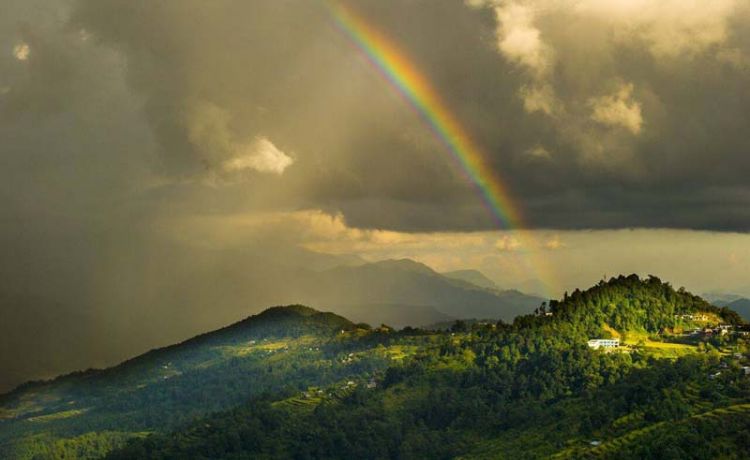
[91, 445]
[441, 418]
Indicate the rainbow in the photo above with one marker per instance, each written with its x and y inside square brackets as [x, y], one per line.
[413, 86]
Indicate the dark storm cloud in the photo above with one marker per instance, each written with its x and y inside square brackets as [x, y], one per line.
[626, 116]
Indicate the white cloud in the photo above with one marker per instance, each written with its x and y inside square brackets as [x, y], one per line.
[22, 51]
[519, 40]
[260, 155]
[536, 35]
[618, 109]
[209, 130]
[669, 28]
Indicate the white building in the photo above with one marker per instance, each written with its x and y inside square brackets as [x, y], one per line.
[604, 343]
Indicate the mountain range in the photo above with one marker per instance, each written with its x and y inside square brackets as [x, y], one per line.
[404, 292]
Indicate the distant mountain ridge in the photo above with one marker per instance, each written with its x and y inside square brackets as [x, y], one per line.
[406, 282]
[475, 277]
[741, 306]
[721, 299]
[736, 302]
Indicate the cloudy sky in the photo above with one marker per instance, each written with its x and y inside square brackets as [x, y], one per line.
[145, 144]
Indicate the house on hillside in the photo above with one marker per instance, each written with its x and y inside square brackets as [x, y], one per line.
[604, 343]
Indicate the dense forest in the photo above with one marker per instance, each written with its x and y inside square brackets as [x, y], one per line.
[296, 383]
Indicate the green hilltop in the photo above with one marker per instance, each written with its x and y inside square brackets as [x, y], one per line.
[293, 382]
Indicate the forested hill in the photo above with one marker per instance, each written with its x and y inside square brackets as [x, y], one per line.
[281, 321]
[293, 382]
[269, 352]
[631, 303]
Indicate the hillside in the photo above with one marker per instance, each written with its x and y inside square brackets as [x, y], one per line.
[168, 386]
[296, 383]
[629, 303]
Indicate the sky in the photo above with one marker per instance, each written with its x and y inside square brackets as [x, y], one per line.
[156, 155]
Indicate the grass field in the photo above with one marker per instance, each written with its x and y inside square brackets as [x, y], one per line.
[658, 349]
